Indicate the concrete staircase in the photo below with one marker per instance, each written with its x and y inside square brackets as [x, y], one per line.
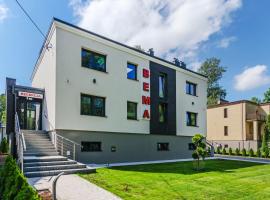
[42, 159]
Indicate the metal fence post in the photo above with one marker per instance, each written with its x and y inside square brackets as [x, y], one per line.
[62, 147]
[54, 184]
[74, 152]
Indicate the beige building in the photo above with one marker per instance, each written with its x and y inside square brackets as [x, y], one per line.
[238, 124]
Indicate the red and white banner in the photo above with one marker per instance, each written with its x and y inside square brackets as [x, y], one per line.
[31, 95]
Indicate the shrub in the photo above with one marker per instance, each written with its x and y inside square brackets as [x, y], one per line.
[218, 150]
[224, 151]
[230, 151]
[209, 151]
[265, 153]
[237, 151]
[251, 152]
[4, 146]
[244, 152]
[258, 153]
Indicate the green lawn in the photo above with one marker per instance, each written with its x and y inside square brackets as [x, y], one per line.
[221, 179]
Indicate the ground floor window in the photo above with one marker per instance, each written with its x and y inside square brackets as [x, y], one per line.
[90, 146]
[191, 119]
[131, 110]
[164, 146]
[92, 105]
[191, 146]
[162, 110]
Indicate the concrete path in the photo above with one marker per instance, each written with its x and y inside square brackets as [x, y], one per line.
[242, 158]
[73, 187]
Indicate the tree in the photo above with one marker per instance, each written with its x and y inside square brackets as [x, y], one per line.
[264, 148]
[139, 47]
[214, 72]
[255, 100]
[267, 96]
[3, 108]
[200, 149]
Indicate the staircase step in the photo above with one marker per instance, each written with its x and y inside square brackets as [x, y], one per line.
[24, 131]
[36, 150]
[54, 167]
[35, 164]
[40, 148]
[42, 154]
[56, 172]
[44, 159]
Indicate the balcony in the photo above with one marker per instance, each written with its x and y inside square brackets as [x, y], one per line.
[255, 117]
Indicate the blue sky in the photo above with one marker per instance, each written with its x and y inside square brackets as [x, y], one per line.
[238, 34]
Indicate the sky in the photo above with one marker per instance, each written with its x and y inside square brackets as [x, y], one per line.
[235, 31]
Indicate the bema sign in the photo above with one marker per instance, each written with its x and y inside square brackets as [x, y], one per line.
[31, 95]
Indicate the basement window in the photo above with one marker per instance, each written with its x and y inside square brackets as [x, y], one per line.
[164, 146]
[90, 146]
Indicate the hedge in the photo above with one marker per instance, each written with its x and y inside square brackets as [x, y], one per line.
[13, 184]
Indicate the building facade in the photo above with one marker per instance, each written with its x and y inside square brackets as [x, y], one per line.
[237, 124]
[120, 104]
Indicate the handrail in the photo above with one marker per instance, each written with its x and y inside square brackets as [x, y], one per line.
[21, 147]
[67, 139]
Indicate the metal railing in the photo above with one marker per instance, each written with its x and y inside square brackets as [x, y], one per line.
[255, 116]
[64, 146]
[20, 142]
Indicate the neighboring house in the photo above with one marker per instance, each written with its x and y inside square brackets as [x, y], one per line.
[238, 124]
[120, 104]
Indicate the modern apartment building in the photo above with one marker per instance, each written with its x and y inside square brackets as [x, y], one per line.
[238, 124]
[119, 103]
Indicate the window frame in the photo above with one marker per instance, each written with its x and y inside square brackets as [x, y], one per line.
[136, 117]
[188, 84]
[225, 112]
[165, 112]
[136, 71]
[226, 130]
[162, 143]
[196, 119]
[91, 142]
[92, 106]
[165, 92]
[97, 54]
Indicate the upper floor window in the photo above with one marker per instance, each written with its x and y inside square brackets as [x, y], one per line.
[131, 110]
[93, 60]
[191, 88]
[162, 85]
[225, 112]
[132, 71]
[191, 119]
[92, 105]
[162, 110]
[225, 130]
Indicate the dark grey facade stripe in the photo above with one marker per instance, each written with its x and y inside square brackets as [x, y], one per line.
[169, 127]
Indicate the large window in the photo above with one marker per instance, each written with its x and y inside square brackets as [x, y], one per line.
[132, 71]
[131, 110]
[162, 110]
[191, 88]
[93, 60]
[92, 105]
[162, 81]
[164, 146]
[191, 119]
[90, 146]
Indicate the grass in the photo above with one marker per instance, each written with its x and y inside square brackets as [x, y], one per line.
[221, 179]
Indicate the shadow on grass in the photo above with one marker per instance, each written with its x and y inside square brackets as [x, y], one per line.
[225, 166]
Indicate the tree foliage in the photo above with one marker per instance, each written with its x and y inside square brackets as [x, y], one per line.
[256, 100]
[3, 108]
[267, 96]
[200, 149]
[214, 72]
[264, 148]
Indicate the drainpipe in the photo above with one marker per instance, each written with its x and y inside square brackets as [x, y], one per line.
[243, 125]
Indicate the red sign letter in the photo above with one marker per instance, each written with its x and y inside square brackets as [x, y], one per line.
[145, 73]
[146, 114]
[146, 86]
[145, 100]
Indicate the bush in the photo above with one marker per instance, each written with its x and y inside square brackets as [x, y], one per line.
[237, 151]
[4, 146]
[265, 154]
[251, 152]
[224, 151]
[13, 185]
[244, 152]
[230, 151]
[218, 150]
[258, 153]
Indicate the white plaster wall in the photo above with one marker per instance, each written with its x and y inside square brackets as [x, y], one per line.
[184, 104]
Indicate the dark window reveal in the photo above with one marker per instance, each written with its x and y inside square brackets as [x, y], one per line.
[225, 130]
[191, 146]
[163, 146]
[131, 110]
[225, 112]
[93, 60]
[191, 119]
[162, 110]
[131, 71]
[92, 105]
[191, 88]
[91, 146]
[162, 85]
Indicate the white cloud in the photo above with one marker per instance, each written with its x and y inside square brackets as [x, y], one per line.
[195, 65]
[251, 78]
[174, 28]
[3, 12]
[225, 42]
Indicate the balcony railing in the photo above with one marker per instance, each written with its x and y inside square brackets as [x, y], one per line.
[256, 116]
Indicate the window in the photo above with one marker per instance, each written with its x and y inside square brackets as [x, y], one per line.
[225, 130]
[191, 146]
[226, 146]
[225, 112]
[191, 119]
[162, 85]
[93, 60]
[92, 105]
[162, 110]
[131, 110]
[90, 146]
[163, 146]
[191, 88]
[132, 71]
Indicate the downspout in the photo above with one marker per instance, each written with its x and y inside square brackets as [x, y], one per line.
[243, 125]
